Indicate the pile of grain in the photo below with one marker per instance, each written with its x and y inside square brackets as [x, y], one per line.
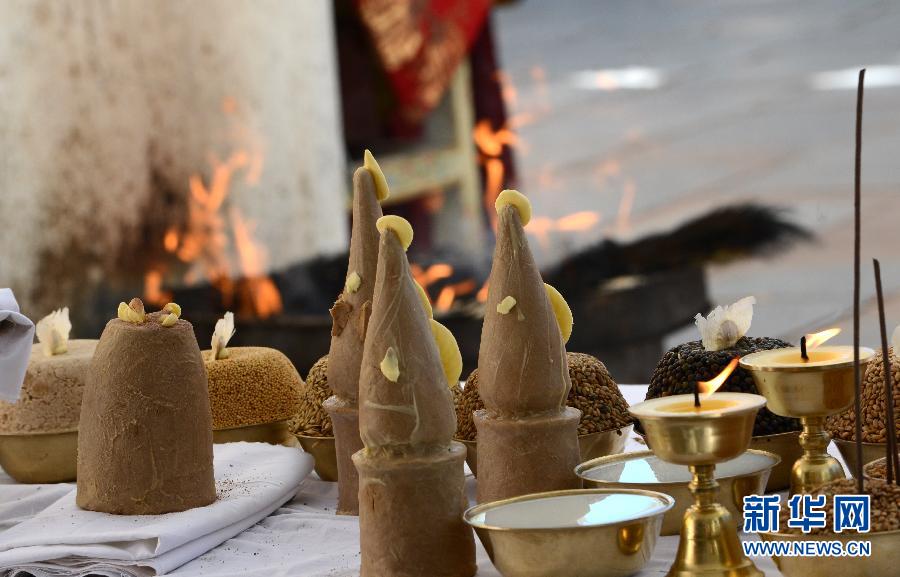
[50, 400]
[594, 393]
[877, 469]
[253, 386]
[885, 506]
[843, 426]
[312, 420]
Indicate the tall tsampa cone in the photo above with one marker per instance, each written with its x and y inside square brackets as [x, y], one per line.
[411, 476]
[350, 315]
[527, 437]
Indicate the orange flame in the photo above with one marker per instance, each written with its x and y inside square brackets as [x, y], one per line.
[170, 240]
[153, 292]
[707, 388]
[817, 339]
[445, 299]
[490, 144]
[219, 249]
[263, 296]
[434, 273]
[542, 226]
[482, 294]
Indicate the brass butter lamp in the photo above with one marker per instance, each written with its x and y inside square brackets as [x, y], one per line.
[719, 429]
[810, 389]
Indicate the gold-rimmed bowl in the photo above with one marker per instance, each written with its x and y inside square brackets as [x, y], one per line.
[787, 447]
[323, 453]
[576, 533]
[870, 452]
[867, 469]
[883, 560]
[274, 433]
[40, 457]
[745, 475]
[591, 446]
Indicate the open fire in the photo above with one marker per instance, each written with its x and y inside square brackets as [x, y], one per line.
[216, 244]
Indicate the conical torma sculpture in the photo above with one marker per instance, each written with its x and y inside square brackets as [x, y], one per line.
[350, 316]
[411, 476]
[527, 437]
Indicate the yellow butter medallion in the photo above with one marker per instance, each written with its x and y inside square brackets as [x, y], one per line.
[516, 199]
[399, 225]
[562, 311]
[451, 358]
[382, 192]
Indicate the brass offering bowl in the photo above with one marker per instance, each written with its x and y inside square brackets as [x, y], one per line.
[709, 544]
[787, 447]
[883, 561]
[737, 478]
[39, 457]
[275, 433]
[592, 445]
[575, 533]
[870, 452]
[868, 466]
[323, 452]
[811, 393]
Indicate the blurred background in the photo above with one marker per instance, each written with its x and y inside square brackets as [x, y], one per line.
[678, 155]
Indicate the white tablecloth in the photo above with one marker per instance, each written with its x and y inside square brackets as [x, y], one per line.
[306, 538]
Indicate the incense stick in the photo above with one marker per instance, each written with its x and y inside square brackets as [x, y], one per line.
[891, 428]
[857, 170]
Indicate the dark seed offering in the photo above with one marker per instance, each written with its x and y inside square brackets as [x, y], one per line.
[687, 363]
[594, 393]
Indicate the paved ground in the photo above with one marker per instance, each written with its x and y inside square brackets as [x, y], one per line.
[731, 109]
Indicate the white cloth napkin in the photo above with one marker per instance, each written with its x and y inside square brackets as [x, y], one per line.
[252, 481]
[16, 337]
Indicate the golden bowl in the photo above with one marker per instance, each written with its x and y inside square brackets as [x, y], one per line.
[813, 390]
[883, 561]
[576, 533]
[870, 452]
[787, 447]
[592, 445]
[39, 457]
[322, 450]
[698, 438]
[275, 433]
[471, 454]
[737, 478]
[603, 443]
[866, 469]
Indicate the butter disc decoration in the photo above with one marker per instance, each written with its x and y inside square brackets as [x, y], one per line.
[53, 332]
[170, 319]
[382, 192]
[353, 282]
[399, 225]
[222, 333]
[562, 312]
[451, 358]
[518, 200]
[133, 312]
[390, 365]
[506, 305]
[426, 303]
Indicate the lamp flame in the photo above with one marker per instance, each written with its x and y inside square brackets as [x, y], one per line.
[707, 388]
[817, 339]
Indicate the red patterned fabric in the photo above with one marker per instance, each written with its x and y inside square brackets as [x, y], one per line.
[420, 43]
